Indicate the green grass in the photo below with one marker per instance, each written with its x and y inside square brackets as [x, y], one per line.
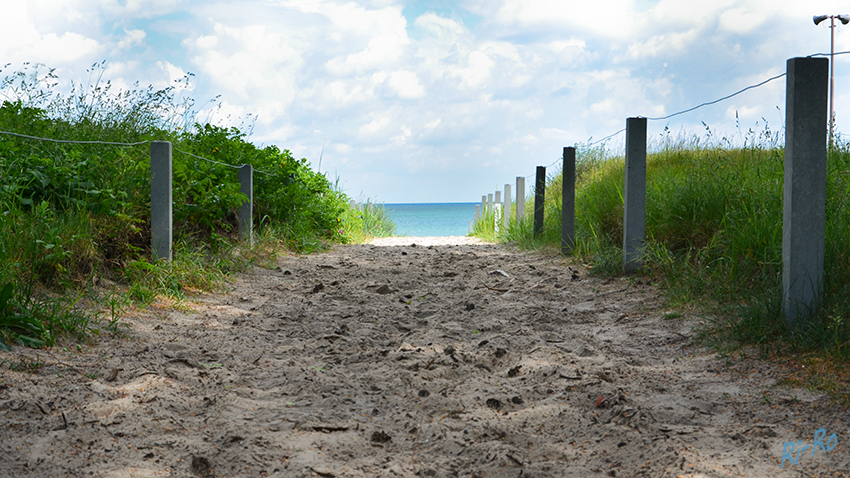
[714, 239]
[75, 215]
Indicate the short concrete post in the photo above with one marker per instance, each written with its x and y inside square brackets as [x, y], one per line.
[490, 203]
[507, 208]
[539, 198]
[804, 188]
[161, 200]
[568, 202]
[477, 212]
[520, 198]
[483, 205]
[246, 209]
[352, 205]
[497, 211]
[634, 195]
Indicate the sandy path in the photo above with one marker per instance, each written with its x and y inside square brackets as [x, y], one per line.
[433, 360]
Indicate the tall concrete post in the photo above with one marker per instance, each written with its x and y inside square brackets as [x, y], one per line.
[804, 188]
[490, 202]
[568, 202]
[161, 201]
[520, 198]
[483, 205]
[246, 209]
[497, 211]
[477, 212]
[507, 209]
[634, 195]
[539, 198]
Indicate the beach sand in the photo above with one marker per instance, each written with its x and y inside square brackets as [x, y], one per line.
[450, 358]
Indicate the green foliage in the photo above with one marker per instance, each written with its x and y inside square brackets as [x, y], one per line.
[366, 221]
[714, 234]
[72, 213]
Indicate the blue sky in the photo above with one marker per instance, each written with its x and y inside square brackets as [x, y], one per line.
[436, 100]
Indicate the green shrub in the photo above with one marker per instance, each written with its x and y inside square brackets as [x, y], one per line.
[74, 212]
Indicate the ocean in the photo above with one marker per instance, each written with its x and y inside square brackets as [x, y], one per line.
[437, 219]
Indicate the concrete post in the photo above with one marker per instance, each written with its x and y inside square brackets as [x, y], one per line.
[477, 212]
[507, 208]
[490, 203]
[539, 197]
[568, 202]
[352, 205]
[804, 188]
[497, 211]
[161, 201]
[634, 195]
[520, 198]
[483, 205]
[246, 209]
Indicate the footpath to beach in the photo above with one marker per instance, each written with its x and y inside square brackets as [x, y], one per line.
[412, 357]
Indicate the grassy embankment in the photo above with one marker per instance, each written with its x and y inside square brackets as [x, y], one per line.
[714, 242]
[75, 218]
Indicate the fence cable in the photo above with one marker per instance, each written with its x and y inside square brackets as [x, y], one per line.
[828, 54]
[606, 138]
[111, 143]
[720, 99]
[116, 143]
[205, 159]
[717, 100]
[547, 167]
[219, 162]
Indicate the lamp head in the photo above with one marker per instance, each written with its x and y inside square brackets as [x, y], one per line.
[819, 18]
[845, 19]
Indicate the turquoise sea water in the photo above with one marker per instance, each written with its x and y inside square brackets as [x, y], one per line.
[437, 219]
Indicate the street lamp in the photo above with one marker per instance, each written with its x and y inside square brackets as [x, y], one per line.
[844, 19]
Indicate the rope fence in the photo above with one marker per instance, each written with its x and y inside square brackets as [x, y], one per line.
[804, 193]
[117, 143]
[161, 189]
[487, 206]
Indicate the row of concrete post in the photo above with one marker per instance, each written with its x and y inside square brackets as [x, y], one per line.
[804, 193]
[502, 210]
[162, 224]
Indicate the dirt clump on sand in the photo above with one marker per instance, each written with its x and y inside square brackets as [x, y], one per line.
[415, 358]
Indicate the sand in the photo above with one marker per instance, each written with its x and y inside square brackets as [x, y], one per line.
[445, 358]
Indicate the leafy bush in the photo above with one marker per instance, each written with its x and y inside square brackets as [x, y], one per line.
[76, 208]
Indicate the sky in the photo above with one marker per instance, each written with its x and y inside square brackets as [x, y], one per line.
[414, 101]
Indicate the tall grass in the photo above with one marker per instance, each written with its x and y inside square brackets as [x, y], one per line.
[368, 220]
[714, 235]
[75, 215]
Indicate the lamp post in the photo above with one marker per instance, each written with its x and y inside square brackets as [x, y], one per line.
[844, 19]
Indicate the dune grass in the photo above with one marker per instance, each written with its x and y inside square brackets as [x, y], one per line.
[75, 216]
[714, 242]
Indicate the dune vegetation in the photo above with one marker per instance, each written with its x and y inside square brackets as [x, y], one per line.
[75, 204]
[714, 243]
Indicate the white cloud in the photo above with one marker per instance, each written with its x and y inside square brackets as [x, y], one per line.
[131, 38]
[377, 125]
[249, 61]
[382, 50]
[607, 18]
[406, 84]
[443, 29]
[739, 20]
[477, 71]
